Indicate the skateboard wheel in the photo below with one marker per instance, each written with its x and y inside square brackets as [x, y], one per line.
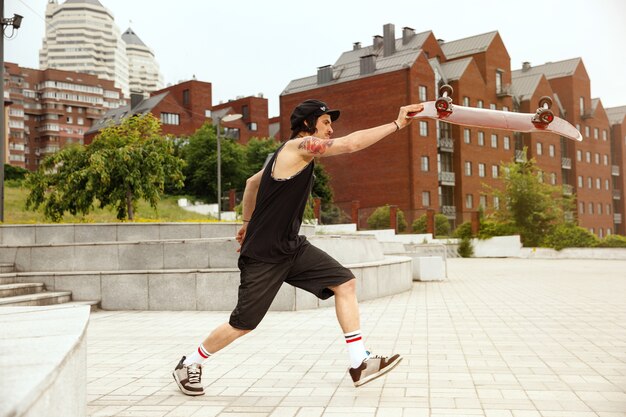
[442, 104]
[543, 116]
[545, 102]
[445, 90]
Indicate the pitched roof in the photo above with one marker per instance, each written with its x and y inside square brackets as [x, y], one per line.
[468, 46]
[453, 70]
[348, 66]
[551, 69]
[524, 85]
[616, 115]
[131, 38]
[115, 116]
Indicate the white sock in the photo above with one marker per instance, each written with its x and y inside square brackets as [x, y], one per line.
[356, 348]
[199, 356]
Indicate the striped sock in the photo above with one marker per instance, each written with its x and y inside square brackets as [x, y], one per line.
[356, 348]
[199, 356]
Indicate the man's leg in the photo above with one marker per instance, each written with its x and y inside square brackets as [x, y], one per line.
[347, 306]
[222, 336]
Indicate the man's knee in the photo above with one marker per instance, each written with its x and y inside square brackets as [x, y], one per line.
[347, 288]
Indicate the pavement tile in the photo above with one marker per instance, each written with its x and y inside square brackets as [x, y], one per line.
[499, 338]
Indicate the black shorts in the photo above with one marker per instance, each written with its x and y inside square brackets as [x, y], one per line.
[311, 269]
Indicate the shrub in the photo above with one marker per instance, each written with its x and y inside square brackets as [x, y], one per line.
[463, 231]
[613, 241]
[465, 250]
[380, 219]
[491, 228]
[14, 173]
[569, 235]
[442, 225]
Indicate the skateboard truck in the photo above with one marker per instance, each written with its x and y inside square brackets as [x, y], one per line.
[544, 115]
[444, 103]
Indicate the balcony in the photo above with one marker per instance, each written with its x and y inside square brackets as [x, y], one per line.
[566, 163]
[615, 170]
[568, 189]
[504, 91]
[449, 211]
[617, 194]
[445, 144]
[519, 155]
[617, 218]
[446, 178]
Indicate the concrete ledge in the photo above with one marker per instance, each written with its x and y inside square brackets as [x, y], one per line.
[44, 234]
[209, 289]
[43, 369]
[497, 247]
[574, 253]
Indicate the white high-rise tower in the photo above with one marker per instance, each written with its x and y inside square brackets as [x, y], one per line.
[142, 66]
[81, 36]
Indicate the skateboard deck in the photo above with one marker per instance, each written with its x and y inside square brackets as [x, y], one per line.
[542, 121]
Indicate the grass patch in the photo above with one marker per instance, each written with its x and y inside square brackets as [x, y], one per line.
[167, 211]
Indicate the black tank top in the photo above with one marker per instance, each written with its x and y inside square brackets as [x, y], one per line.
[272, 234]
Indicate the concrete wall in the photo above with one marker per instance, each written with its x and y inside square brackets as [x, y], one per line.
[498, 247]
[43, 234]
[43, 366]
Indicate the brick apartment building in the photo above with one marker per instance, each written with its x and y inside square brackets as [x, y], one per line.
[434, 165]
[255, 120]
[50, 109]
[617, 118]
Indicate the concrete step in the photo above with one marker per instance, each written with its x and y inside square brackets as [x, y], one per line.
[39, 299]
[11, 290]
[9, 278]
[6, 267]
[93, 304]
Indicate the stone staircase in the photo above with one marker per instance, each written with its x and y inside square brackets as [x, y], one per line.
[14, 293]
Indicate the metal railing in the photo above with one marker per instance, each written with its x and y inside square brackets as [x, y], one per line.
[446, 178]
[566, 163]
[445, 144]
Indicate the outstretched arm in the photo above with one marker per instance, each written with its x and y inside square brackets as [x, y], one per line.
[314, 147]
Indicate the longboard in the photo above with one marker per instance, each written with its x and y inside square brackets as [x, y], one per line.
[541, 121]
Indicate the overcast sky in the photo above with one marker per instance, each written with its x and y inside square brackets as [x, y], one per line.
[246, 47]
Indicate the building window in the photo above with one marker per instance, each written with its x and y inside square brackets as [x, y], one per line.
[581, 207]
[466, 136]
[597, 158]
[505, 108]
[587, 131]
[482, 201]
[605, 159]
[80, 121]
[481, 138]
[426, 198]
[604, 138]
[494, 141]
[507, 143]
[590, 206]
[170, 118]
[245, 112]
[468, 168]
[423, 128]
[596, 132]
[498, 82]
[598, 183]
[599, 208]
[607, 185]
[588, 157]
[581, 105]
[495, 171]
[479, 104]
[466, 101]
[608, 231]
[492, 106]
[186, 97]
[600, 234]
[252, 126]
[589, 182]
[481, 170]
[425, 164]
[539, 148]
[551, 150]
[422, 93]
[579, 155]
[608, 209]
[581, 182]
[496, 202]
[469, 201]
[553, 178]
[69, 119]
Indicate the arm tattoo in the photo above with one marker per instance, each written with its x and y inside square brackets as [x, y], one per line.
[314, 145]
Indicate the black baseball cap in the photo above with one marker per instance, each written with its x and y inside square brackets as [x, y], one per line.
[308, 108]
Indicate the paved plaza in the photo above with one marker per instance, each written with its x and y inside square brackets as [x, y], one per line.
[499, 338]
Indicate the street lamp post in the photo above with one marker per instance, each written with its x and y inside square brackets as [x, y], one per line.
[219, 120]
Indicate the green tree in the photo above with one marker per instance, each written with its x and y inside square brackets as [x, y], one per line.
[442, 225]
[124, 164]
[379, 219]
[200, 154]
[257, 151]
[531, 206]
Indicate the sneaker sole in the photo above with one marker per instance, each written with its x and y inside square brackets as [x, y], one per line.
[184, 390]
[378, 374]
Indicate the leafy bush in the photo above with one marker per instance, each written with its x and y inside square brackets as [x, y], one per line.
[569, 235]
[380, 219]
[491, 228]
[463, 231]
[465, 250]
[442, 225]
[613, 241]
[14, 173]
